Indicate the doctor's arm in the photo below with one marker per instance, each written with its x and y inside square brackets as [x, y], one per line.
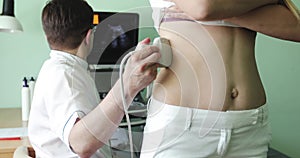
[273, 20]
[206, 10]
[95, 129]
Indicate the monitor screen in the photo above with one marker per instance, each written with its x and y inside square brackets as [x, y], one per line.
[116, 35]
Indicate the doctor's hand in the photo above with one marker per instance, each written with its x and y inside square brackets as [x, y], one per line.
[141, 68]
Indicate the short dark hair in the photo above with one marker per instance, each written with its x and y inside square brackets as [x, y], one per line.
[66, 22]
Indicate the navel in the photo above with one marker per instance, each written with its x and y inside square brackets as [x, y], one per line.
[234, 93]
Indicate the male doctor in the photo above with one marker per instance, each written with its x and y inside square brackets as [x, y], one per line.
[67, 118]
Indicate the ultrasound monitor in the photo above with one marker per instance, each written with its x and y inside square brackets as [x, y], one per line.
[116, 35]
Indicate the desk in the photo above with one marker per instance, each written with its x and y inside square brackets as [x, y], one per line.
[11, 118]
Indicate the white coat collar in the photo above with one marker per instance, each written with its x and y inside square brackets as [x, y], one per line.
[69, 57]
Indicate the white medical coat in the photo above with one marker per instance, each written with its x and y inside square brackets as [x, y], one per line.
[64, 91]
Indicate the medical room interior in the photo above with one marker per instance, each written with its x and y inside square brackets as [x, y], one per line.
[23, 53]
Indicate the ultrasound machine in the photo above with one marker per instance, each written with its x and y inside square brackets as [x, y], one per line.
[115, 36]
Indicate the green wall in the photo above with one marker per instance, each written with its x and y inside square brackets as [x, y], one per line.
[22, 55]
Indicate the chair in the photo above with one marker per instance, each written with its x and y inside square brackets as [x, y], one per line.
[24, 152]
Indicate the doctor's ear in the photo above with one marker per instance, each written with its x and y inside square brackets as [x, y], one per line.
[89, 36]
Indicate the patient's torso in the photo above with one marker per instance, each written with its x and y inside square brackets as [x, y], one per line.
[213, 68]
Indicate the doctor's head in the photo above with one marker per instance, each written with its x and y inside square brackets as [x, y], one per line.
[66, 23]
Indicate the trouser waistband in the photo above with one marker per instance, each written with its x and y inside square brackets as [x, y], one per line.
[208, 118]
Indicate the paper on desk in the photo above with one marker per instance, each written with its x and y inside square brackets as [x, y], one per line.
[13, 132]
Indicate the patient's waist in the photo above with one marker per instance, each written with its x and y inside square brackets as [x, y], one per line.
[209, 98]
[220, 119]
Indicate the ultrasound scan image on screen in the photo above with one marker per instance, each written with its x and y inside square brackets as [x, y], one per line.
[115, 36]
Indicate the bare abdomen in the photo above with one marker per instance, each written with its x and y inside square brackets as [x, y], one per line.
[213, 68]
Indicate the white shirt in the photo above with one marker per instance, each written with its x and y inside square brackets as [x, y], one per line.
[158, 14]
[64, 91]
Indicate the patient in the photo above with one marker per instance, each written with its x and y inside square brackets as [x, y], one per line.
[211, 102]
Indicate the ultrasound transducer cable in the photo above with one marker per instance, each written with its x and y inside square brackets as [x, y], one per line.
[165, 61]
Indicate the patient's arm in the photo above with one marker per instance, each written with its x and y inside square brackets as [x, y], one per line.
[205, 10]
[273, 20]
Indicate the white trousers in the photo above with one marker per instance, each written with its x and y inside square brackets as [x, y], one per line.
[173, 131]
